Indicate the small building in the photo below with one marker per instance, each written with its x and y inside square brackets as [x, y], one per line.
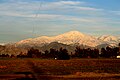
[118, 57]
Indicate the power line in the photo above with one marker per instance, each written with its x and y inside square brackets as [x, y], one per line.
[36, 16]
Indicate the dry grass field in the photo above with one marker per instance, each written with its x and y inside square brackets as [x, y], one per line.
[48, 69]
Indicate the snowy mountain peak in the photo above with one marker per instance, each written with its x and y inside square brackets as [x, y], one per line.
[108, 38]
[69, 38]
[74, 33]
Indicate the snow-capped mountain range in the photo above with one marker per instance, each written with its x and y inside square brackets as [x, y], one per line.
[70, 38]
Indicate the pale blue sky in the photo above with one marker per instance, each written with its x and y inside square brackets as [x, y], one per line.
[22, 19]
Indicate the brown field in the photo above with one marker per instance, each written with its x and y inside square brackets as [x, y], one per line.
[48, 69]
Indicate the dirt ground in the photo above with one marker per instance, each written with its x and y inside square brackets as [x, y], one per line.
[74, 69]
[82, 76]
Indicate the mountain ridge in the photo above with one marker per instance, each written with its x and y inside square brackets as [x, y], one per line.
[68, 38]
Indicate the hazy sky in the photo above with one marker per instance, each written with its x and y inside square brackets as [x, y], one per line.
[21, 19]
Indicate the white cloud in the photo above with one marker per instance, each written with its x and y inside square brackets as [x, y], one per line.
[70, 2]
[36, 7]
[88, 8]
[60, 11]
[68, 5]
[51, 17]
[11, 14]
[115, 12]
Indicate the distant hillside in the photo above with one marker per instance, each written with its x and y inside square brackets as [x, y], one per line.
[57, 46]
[10, 49]
[70, 38]
[67, 40]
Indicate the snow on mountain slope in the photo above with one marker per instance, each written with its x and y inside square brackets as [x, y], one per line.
[73, 37]
[40, 41]
[108, 38]
[111, 40]
[68, 38]
[2, 44]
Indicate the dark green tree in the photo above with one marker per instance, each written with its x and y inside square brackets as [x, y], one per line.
[79, 52]
[33, 53]
[63, 54]
[103, 52]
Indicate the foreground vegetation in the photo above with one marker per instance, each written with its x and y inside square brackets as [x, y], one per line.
[50, 69]
[63, 54]
[59, 67]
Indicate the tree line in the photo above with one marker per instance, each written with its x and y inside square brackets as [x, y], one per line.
[62, 54]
